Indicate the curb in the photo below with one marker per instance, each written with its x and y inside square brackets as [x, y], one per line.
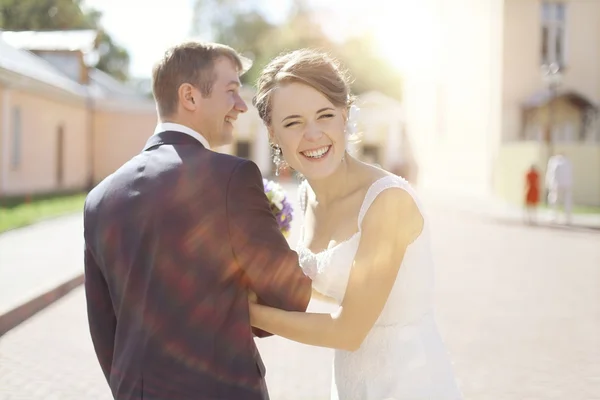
[20, 314]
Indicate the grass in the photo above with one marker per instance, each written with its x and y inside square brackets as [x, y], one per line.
[578, 209]
[16, 212]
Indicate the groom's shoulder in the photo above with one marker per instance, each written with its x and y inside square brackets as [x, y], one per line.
[228, 164]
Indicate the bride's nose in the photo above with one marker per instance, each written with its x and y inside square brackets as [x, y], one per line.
[312, 132]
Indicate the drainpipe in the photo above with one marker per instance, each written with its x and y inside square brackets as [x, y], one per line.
[89, 106]
[5, 130]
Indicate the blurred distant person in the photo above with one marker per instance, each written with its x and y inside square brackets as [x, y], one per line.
[559, 181]
[532, 193]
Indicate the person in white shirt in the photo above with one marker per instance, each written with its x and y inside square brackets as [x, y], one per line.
[559, 181]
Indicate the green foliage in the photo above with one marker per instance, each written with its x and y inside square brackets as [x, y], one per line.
[245, 28]
[49, 15]
[22, 211]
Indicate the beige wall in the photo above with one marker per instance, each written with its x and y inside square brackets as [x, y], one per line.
[41, 118]
[515, 159]
[118, 133]
[522, 55]
[118, 136]
[3, 148]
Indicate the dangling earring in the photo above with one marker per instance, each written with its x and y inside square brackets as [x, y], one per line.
[277, 158]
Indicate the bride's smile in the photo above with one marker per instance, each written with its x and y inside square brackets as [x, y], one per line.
[309, 129]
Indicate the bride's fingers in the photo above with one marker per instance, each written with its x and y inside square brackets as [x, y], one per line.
[252, 296]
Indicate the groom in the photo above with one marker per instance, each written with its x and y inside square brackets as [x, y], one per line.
[177, 237]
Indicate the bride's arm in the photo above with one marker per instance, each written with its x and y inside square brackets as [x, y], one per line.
[391, 224]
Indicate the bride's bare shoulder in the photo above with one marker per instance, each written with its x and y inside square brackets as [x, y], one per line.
[374, 173]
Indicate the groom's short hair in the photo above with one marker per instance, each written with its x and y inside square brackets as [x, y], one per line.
[190, 62]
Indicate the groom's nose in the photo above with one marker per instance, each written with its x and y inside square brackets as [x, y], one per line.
[240, 104]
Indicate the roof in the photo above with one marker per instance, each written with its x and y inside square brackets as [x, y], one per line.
[16, 55]
[543, 97]
[28, 64]
[71, 40]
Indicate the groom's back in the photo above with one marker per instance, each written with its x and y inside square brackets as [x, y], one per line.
[158, 234]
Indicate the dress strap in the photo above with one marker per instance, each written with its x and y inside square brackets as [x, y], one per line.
[303, 196]
[302, 201]
[387, 182]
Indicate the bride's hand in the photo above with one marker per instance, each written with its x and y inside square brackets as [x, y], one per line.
[252, 298]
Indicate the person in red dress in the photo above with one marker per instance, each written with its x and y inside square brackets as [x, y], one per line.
[532, 193]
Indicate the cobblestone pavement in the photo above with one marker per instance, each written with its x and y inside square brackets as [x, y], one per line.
[38, 258]
[518, 307]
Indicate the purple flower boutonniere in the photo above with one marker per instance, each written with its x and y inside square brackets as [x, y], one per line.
[280, 205]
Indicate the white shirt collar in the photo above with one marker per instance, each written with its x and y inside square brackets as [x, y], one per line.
[171, 126]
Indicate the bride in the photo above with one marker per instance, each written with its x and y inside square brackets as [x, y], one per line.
[365, 244]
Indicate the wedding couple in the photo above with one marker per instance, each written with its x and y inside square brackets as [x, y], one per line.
[185, 263]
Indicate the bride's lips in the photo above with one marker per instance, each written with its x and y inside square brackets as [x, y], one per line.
[316, 154]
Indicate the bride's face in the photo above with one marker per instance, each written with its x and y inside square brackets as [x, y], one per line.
[309, 129]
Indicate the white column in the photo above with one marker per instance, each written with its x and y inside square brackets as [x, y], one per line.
[260, 149]
[6, 119]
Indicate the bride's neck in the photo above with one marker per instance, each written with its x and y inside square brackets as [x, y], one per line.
[336, 185]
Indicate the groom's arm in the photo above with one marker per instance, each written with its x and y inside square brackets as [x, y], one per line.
[270, 267]
[101, 316]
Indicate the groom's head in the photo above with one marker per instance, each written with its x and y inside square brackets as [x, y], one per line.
[197, 85]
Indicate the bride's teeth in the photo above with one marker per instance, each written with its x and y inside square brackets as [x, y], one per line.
[316, 153]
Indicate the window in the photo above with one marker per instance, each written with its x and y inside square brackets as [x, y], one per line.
[15, 159]
[60, 155]
[553, 33]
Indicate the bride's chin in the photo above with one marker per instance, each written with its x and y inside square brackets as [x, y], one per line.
[316, 175]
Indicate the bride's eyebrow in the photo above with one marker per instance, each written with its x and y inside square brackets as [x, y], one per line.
[291, 116]
[325, 109]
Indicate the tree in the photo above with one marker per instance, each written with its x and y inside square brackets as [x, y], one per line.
[246, 29]
[47, 15]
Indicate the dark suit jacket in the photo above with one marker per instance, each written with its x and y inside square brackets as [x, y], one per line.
[173, 241]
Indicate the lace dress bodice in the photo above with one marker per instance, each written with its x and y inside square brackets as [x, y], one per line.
[403, 356]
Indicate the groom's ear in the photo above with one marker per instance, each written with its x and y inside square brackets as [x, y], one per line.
[186, 94]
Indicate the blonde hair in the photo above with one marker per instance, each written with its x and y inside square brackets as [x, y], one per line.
[189, 62]
[310, 67]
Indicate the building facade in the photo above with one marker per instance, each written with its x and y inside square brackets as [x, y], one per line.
[499, 85]
[64, 126]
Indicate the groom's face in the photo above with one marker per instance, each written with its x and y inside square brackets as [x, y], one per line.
[218, 112]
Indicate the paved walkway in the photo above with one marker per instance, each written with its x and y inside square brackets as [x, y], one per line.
[38, 258]
[519, 309]
[496, 209]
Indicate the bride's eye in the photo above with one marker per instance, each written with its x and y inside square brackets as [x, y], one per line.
[327, 116]
[290, 124]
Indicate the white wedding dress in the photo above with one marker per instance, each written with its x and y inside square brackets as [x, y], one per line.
[403, 356]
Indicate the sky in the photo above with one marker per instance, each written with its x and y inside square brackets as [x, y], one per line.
[147, 28]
